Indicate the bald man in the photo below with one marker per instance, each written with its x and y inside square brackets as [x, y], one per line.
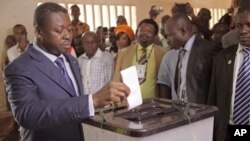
[185, 71]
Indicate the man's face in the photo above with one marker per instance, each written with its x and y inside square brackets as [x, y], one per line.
[19, 32]
[243, 25]
[219, 31]
[121, 20]
[204, 15]
[146, 34]
[163, 22]
[90, 45]
[23, 42]
[175, 35]
[55, 37]
[75, 13]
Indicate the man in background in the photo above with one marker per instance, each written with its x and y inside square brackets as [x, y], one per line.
[20, 35]
[80, 26]
[145, 55]
[121, 20]
[96, 66]
[161, 38]
[185, 70]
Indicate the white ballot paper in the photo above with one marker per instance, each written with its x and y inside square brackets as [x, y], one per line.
[130, 78]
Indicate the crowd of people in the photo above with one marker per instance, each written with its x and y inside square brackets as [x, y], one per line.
[68, 71]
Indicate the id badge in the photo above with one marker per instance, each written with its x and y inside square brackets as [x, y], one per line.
[141, 70]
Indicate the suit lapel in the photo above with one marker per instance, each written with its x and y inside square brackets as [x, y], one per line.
[229, 65]
[48, 68]
[192, 57]
[75, 70]
[128, 60]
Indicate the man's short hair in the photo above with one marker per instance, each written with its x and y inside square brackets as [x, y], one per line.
[74, 6]
[18, 26]
[149, 21]
[43, 10]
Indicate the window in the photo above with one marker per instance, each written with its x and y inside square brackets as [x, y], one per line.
[82, 11]
[104, 15]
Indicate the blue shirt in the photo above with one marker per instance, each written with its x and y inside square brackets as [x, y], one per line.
[166, 75]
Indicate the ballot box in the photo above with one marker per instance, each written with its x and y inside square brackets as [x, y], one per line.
[155, 120]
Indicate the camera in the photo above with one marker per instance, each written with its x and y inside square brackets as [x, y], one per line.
[159, 9]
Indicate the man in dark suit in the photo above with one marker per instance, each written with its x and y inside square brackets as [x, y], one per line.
[190, 80]
[228, 79]
[44, 84]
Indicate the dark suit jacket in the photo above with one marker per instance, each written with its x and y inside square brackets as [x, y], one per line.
[42, 103]
[199, 70]
[220, 92]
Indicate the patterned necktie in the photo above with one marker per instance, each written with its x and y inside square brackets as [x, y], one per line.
[178, 74]
[143, 61]
[60, 63]
[242, 92]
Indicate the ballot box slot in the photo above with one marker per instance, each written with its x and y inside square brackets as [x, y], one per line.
[146, 112]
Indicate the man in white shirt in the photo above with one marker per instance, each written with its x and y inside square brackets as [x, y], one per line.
[161, 38]
[20, 34]
[185, 71]
[96, 66]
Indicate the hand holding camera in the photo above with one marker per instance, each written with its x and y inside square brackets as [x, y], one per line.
[155, 11]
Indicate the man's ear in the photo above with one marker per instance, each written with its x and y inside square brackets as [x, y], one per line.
[38, 33]
[183, 31]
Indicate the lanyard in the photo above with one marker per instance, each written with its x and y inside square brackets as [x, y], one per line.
[146, 54]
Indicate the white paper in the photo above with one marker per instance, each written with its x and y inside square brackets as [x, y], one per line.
[130, 78]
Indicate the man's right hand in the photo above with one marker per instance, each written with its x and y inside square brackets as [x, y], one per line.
[111, 93]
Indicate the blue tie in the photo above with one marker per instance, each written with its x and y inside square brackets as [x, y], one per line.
[242, 93]
[60, 63]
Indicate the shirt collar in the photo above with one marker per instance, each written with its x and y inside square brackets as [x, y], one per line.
[240, 48]
[189, 44]
[48, 55]
[17, 48]
[149, 47]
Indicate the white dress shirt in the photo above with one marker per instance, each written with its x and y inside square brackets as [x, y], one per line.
[96, 71]
[14, 52]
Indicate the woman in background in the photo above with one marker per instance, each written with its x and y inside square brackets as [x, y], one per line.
[124, 36]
